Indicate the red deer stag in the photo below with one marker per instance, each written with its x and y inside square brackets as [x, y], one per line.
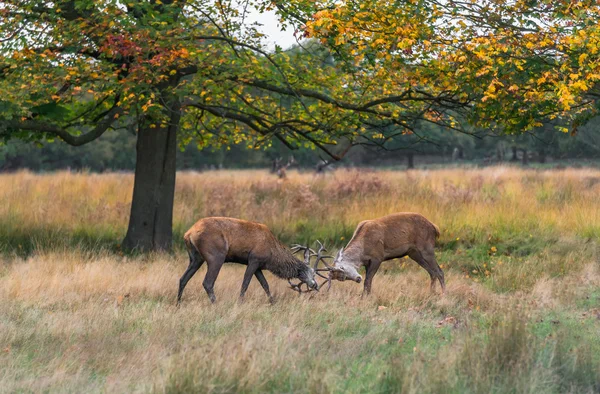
[386, 238]
[281, 169]
[217, 240]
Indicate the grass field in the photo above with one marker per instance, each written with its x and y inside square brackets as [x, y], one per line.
[520, 249]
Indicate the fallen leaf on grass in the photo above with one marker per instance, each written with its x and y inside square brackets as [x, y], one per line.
[450, 320]
[122, 298]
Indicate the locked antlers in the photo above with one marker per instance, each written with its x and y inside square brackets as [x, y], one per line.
[308, 254]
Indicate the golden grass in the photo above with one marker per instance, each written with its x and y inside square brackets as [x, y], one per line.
[75, 322]
[75, 317]
[487, 200]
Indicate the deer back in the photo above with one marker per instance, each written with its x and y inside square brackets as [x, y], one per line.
[408, 228]
[233, 237]
[237, 240]
[390, 236]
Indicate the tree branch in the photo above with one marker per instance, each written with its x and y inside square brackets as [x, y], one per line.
[63, 134]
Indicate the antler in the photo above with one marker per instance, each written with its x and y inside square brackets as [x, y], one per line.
[298, 287]
[308, 254]
[319, 257]
[318, 271]
[297, 247]
[328, 268]
[295, 286]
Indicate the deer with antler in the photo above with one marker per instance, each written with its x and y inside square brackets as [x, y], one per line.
[281, 169]
[386, 238]
[216, 240]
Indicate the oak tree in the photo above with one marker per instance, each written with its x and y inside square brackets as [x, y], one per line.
[181, 72]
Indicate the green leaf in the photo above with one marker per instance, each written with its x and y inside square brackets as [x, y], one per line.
[52, 111]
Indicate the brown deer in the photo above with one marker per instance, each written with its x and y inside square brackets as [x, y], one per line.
[281, 169]
[389, 237]
[217, 240]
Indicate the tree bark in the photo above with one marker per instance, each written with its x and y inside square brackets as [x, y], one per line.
[542, 155]
[514, 154]
[411, 160]
[525, 158]
[151, 219]
[499, 153]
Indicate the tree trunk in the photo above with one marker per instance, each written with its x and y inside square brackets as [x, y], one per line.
[525, 158]
[499, 152]
[411, 160]
[514, 154]
[151, 219]
[542, 155]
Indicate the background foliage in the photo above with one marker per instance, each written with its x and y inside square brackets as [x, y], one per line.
[116, 151]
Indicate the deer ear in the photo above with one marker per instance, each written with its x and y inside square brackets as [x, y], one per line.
[339, 255]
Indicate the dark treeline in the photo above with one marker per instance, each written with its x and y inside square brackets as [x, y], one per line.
[115, 151]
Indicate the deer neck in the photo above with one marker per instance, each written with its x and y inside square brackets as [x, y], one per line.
[284, 265]
[353, 254]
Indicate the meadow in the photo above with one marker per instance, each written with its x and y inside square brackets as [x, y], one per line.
[521, 314]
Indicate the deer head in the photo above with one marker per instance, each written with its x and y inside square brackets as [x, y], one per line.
[344, 268]
[282, 168]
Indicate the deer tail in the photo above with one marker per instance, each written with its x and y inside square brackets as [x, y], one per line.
[192, 250]
[437, 231]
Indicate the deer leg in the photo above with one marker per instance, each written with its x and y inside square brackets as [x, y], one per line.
[371, 271]
[250, 271]
[195, 264]
[428, 262]
[214, 267]
[429, 256]
[263, 282]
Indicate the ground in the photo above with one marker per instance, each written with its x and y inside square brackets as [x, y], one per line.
[521, 313]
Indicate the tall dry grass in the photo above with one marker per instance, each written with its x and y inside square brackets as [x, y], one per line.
[463, 202]
[80, 322]
[521, 313]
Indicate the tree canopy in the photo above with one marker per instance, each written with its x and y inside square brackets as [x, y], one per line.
[515, 62]
[82, 67]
